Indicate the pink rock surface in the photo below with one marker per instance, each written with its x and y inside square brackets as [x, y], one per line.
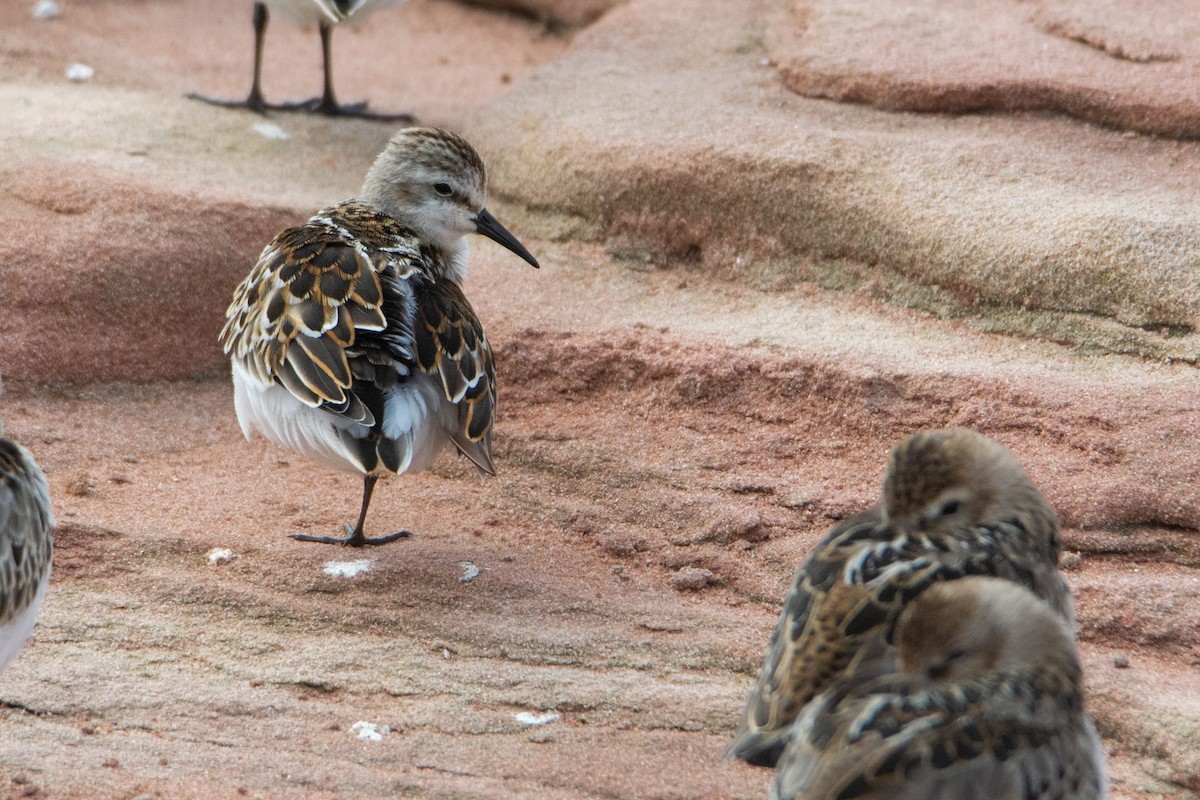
[1131, 64]
[713, 162]
[132, 276]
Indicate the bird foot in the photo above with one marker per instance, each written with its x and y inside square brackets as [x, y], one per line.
[313, 106]
[318, 105]
[253, 103]
[354, 538]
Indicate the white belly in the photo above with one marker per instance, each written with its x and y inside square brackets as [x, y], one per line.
[14, 634]
[308, 13]
[417, 415]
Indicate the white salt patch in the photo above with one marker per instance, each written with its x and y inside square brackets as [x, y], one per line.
[45, 9]
[530, 718]
[369, 731]
[470, 571]
[221, 555]
[347, 569]
[269, 130]
[80, 72]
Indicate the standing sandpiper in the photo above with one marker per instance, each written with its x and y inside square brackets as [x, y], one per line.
[25, 546]
[307, 13]
[351, 340]
[954, 503]
[987, 703]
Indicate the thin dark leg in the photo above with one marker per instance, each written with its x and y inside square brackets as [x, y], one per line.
[254, 101]
[328, 103]
[354, 536]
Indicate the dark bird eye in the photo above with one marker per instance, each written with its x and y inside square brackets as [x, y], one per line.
[949, 508]
[941, 670]
[443, 189]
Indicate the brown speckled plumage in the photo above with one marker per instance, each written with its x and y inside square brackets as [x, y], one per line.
[351, 339]
[954, 503]
[25, 545]
[311, 316]
[986, 704]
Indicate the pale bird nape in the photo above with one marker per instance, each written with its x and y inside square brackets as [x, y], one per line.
[351, 340]
[25, 546]
[986, 704]
[324, 14]
[954, 503]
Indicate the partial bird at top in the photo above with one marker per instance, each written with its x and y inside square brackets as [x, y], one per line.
[25, 546]
[954, 503]
[351, 340]
[986, 704]
[306, 13]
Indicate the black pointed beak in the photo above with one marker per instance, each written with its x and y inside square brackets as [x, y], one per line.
[490, 227]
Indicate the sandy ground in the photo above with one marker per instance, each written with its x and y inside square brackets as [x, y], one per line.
[670, 445]
[656, 493]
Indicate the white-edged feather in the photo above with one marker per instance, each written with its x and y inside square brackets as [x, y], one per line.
[17, 631]
[416, 414]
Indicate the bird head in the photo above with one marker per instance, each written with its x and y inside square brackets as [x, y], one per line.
[964, 629]
[433, 182]
[943, 480]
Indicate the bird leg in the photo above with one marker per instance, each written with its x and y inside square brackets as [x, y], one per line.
[254, 101]
[328, 104]
[354, 535]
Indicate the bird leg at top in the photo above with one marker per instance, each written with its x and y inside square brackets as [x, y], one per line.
[254, 101]
[354, 535]
[327, 104]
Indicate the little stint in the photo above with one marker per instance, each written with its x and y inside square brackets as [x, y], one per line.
[954, 503]
[351, 340]
[987, 704]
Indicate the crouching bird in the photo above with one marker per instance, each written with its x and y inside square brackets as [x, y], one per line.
[986, 704]
[954, 503]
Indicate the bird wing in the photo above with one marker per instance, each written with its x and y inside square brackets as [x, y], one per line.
[337, 10]
[1025, 550]
[903, 737]
[25, 523]
[450, 345]
[792, 672]
[343, 310]
[314, 291]
[845, 599]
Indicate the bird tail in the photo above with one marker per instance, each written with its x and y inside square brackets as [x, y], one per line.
[337, 10]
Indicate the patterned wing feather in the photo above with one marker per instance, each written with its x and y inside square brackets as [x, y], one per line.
[793, 671]
[314, 291]
[450, 345]
[1019, 735]
[341, 310]
[848, 594]
[25, 523]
